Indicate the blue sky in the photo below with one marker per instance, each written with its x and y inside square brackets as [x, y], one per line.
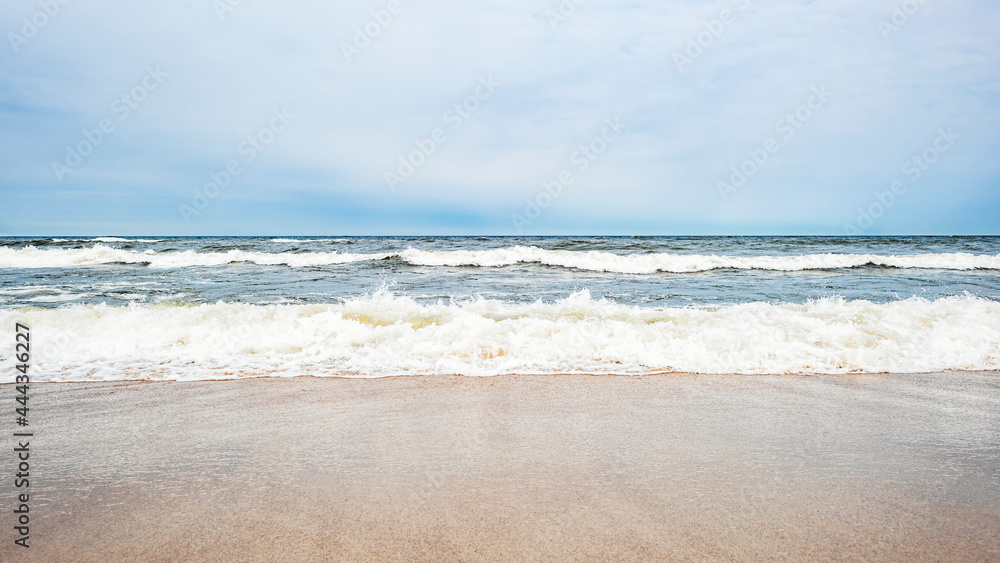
[314, 118]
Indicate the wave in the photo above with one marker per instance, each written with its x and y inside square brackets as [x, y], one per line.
[45, 241]
[105, 239]
[384, 335]
[296, 240]
[32, 257]
[119, 239]
[682, 263]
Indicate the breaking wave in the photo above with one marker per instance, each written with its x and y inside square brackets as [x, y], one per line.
[98, 254]
[384, 335]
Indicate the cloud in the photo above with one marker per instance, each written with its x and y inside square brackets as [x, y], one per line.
[357, 115]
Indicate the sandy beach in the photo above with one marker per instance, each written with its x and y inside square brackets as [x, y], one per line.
[881, 467]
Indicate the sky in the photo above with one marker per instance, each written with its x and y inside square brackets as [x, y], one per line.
[243, 117]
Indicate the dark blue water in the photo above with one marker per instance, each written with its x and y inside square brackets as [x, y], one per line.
[61, 271]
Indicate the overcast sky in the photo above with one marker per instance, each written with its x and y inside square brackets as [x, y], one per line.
[834, 99]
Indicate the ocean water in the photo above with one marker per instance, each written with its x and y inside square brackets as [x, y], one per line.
[112, 308]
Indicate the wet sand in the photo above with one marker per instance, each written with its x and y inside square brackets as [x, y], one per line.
[900, 467]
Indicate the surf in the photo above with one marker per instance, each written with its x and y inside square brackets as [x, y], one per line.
[597, 261]
[383, 334]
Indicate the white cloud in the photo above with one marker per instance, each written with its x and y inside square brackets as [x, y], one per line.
[605, 60]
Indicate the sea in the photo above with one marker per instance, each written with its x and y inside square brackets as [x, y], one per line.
[199, 308]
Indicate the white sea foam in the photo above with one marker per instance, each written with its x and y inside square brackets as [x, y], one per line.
[108, 239]
[305, 240]
[382, 335]
[681, 263]
[32, 257]
[119, 239]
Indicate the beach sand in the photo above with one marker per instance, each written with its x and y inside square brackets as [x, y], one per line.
[879, 467]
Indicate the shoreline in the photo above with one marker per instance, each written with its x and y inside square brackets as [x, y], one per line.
[309, 376]
[701, 467]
